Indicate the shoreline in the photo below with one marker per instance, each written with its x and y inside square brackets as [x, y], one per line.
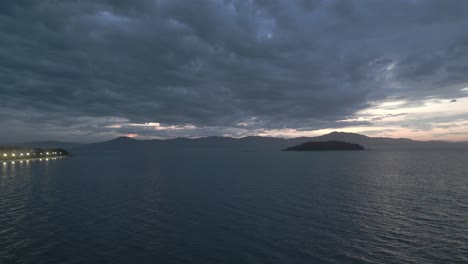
[31, 159]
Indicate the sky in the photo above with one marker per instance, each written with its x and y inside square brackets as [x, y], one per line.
[92, 70]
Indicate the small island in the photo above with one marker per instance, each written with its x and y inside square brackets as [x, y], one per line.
[325, 145]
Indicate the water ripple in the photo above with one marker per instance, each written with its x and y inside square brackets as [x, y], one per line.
[381, 206]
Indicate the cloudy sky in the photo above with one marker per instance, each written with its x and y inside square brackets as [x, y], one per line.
[91, 70]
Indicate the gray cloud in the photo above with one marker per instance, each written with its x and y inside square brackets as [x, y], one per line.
[217, 64]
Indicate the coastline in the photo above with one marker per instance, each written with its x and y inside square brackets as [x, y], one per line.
[6, 161]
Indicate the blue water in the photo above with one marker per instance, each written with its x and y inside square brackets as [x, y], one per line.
[233, 206]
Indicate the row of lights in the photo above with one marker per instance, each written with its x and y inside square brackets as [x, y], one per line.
[28, 154]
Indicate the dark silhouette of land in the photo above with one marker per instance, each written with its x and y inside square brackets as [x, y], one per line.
[251, 142]
[16, 153]
[256, 142]
[47, 145]
[325, 146]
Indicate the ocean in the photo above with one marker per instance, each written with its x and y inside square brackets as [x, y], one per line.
[237, 206]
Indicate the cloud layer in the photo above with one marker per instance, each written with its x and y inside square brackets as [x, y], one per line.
[95, 69]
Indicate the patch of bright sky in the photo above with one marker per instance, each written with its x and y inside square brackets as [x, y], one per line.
[418, 120]
[423, 120]
[159, 126]
[427, 108]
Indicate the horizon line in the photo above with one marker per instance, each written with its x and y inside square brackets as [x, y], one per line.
[233, 137]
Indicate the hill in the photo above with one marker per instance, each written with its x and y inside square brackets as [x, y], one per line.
[251, 142]
[256, 142]
[325, 146]
[383, 142]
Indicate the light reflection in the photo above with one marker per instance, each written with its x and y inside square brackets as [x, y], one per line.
[9, 168]
[4, 170]
[26, 161]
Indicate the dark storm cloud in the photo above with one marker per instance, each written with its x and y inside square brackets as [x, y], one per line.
[265, 64]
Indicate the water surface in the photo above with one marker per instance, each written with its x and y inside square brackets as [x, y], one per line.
[234, 206]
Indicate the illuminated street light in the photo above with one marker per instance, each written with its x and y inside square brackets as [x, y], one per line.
[13, 154]
[5, 155]
[27, 154]
[47, 153]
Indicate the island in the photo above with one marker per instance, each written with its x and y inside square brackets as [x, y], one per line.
[325, 145]
[15, 153]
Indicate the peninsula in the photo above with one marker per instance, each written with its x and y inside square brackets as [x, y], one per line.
[15, 153]
[325, 145]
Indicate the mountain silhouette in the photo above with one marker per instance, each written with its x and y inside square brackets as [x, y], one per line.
[325, 146]
[250, 142]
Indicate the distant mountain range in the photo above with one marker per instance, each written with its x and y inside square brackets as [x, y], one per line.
[252, 142]
[383, 142]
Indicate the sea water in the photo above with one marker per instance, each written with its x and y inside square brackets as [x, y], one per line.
[237, 206]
